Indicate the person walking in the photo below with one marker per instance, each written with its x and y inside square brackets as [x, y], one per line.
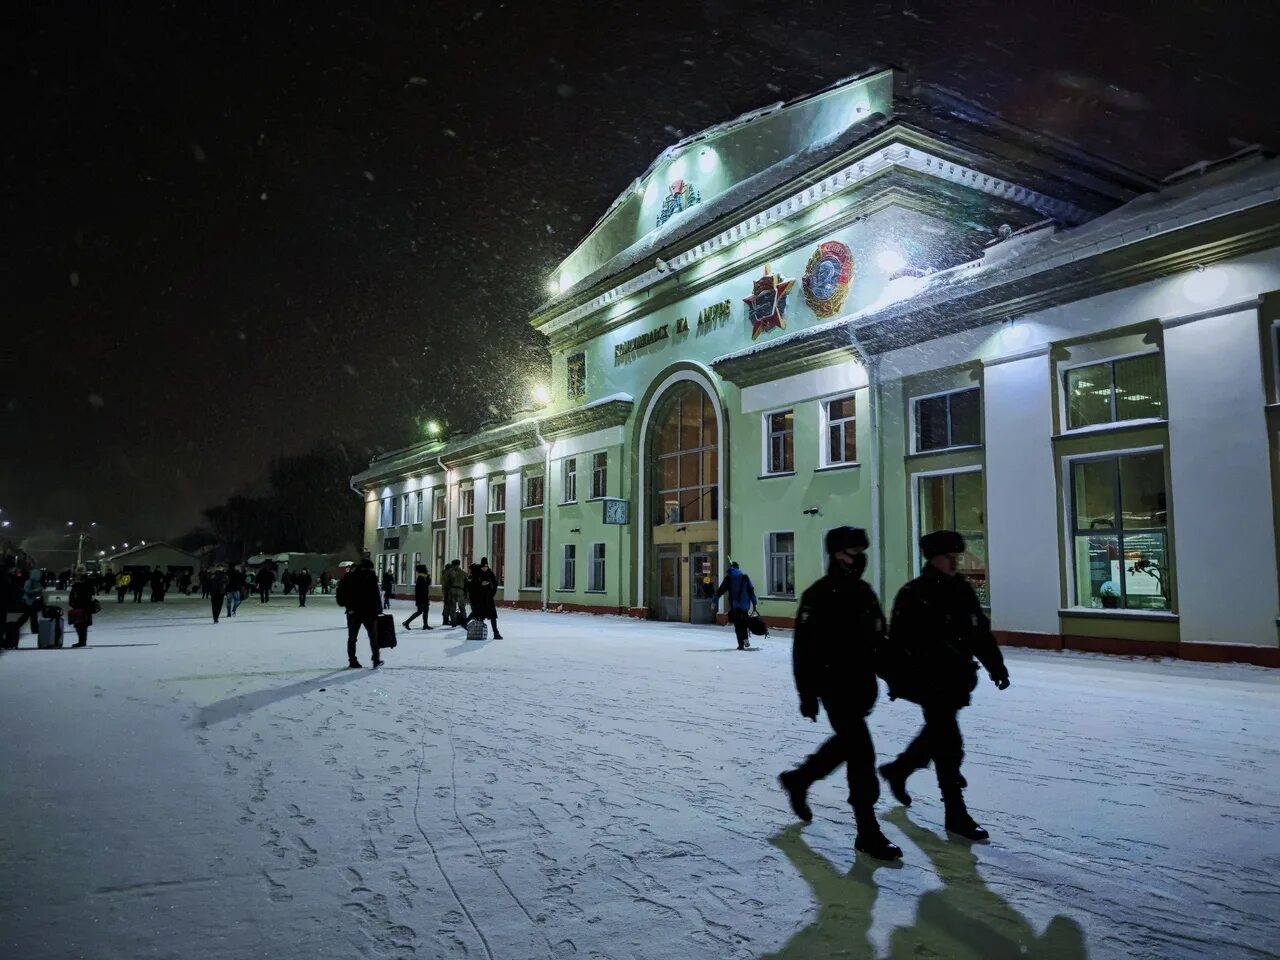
[287, 581]
[205, 578]
[742, 601]
[936, 631]
[139, 583]
[388, 588]
[839, 628]
[32, 600]
[236, 587]
[266, 577]
[358, 595]
[123, 583]
[325, 580]
[80, 600]
[480, 595]
[303, 582]
[215, 588]
[157, 585]
[421, 597]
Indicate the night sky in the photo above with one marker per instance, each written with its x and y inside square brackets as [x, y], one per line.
[234, 231]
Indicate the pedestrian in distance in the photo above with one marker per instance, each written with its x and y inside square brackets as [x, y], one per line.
[742, 601]
[237, 588]
[138, 584]
[157, 585]
[123, 583]
[839, 629]
[325, 581]
[388, 587]
[32, 600]
[303, 582]
[358, 595]
[421, 597]
[215, 587]
[266, 577]
[936, 631]
[480, 595]
[453, 586]
[81, 602]
[205, 577]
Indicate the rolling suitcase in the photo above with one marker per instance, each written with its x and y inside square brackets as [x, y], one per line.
[386, 631]
[50, 633]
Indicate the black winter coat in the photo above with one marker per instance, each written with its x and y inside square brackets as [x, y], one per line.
[358, 592]
[839, 629]
[938, 628]
[480, 597]
[422, 590]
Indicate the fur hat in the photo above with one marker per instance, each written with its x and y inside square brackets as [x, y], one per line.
[846, 538]
[940, 542]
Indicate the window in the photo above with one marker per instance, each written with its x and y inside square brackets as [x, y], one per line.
[498, 495]
[577, 375]
[1119, 532]
[437, 503]
[392, 559]
[417, 507]
[533, 491]
[599, 475]
[948, 420]
[404, 509]
[568, 569]
[569, 476]
[378, 562]
[782, 565]
[533, 553]
[498, 551]
[685, 457]
[466, 500]
[384, 513]
[467, 537]
[1127, 389]
[780, 436]
[437, 555]
[405, 576]
[842, 440]
[956, 501]
[417, 562]
[595, 576]
[395, 512]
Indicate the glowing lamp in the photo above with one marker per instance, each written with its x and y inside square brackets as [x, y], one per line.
[890, 260]
[541, 393]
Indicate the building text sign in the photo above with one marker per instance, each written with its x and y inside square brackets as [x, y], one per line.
[708, 319]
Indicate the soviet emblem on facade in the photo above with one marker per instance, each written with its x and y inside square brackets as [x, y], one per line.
[681, 196]
[767, 303]
[827, 277]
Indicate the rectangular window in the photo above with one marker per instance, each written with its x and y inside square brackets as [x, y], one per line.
[405, 576]
[1120, 534]
[533, 490]
[842, 441]
[498, 551]
[395, 512]
[782, 565]
[404, 509]
[533, 553]
[467, 537]
[417, 507]
[780, 437]
[466, 500]
[599, 475]
[956, 501]
[948, 420]
[437, 555]
[437, 503]
[595, 577]
[577, 375]
[392, 559]
[498, 495]
[569, 567]
[384, 513]
[569, 476]
[417, 562]
[1114, 391]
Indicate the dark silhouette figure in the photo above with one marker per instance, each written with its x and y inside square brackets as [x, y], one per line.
[303, 582]
[80, 600]
[388, 588]
[421, 597]
[480, 594]
[215, 585]
[358, 594]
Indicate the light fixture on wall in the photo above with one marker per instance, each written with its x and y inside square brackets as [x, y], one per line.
[576, 530]
[812, 512]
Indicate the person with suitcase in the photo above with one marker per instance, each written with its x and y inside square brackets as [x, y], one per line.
[742, 601]
[81, 603]
[358, 594]
[421, 597]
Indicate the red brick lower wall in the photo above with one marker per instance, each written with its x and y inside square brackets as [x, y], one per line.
[1119, 646]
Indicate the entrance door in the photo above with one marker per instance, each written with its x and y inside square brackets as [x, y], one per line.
[669, 583]
[703, 566]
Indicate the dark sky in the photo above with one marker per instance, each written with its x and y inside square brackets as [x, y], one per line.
[234, 231]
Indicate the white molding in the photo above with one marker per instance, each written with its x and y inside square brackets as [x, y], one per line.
[1239, 307]
[824, 449]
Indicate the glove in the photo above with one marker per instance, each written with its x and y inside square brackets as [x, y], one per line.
[809, 710]
[1001, 682]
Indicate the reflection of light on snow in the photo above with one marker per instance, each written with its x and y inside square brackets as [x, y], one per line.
[553, 286]
[1204, 285]
[890, 260]
[707, 160]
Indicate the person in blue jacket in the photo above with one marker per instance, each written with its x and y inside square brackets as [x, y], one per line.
[742, 600]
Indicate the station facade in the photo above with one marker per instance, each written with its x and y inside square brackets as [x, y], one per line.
[882, 306]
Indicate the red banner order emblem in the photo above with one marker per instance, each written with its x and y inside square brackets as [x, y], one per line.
[827, 277]
[767, 303]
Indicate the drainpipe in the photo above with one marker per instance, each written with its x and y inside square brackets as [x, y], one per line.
[445, 471]
[546, 515]
[873, 461]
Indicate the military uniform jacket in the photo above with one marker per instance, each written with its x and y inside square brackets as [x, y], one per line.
[839, 630]
[938, 627]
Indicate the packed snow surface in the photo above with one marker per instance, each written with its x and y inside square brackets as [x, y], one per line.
[602, 788]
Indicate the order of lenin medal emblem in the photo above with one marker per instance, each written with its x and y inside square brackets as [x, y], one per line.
[827, 277]
[767, 303]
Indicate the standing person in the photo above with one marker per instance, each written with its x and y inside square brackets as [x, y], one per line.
[123, 583]
[303, 582]
[80, 601]
[266, 577]
[139, 584]
[480, 596]
[421, 597]
[287, 581]
[236, 587]
[742, 601]
[358, 594]
[490, 579]
[324, 581]
[32, 600]
[937, 630]
[205, 577]
[839, 628]
[215, 588]
[184, 582]
[452, 587]
[388, 588]
[157, 585]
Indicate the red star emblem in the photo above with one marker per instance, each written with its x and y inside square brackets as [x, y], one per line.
[766, 303]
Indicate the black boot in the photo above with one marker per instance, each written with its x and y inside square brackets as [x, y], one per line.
[797, 793]
[896, 779]
[958, 820]
[871, 839]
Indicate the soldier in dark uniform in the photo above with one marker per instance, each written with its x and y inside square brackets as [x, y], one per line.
[839, 627]
[938, 628]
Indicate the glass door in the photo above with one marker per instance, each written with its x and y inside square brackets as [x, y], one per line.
[669, 583]
[703, 568]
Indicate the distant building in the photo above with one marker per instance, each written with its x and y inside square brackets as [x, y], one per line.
[156, 553]
[896, 310]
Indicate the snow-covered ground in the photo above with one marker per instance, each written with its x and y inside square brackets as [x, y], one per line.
[601, 788]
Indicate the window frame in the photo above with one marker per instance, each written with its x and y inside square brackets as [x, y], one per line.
[600, 476]
[419, 507]
[439, 549]
[824, 429]
[568, 568]
[568, 481]
[601, 562]
[916, 519]
[528, 480]
[769, 555]
[950, 447]
[497, 484]
[467, 491]
[417, 561]
[576, 387]
[766, 442]
[384, 513]
[405, 503]
[439, 507]
[395, 511]
[1064, 397]
[498, 556]
[530, 556]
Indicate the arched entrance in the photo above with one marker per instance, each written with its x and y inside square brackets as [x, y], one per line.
[682, 479]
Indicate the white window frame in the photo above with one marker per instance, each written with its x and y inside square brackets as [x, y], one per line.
[598, 567]
[465, 492]
[526, 553]
[499, 565]
[569, 567]
[768, 564]
[467, 557]
[602, 473]
[419, 506]
[766, 442]
[404, 573]
[438, 500]
[568, 481]
[824, 429]
[915, 437]
[1064, 407]
[525, 503]
[417, 562]
[384, 513]
[395, 511]
[405, 503]
[496, 485]
[440, 556]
